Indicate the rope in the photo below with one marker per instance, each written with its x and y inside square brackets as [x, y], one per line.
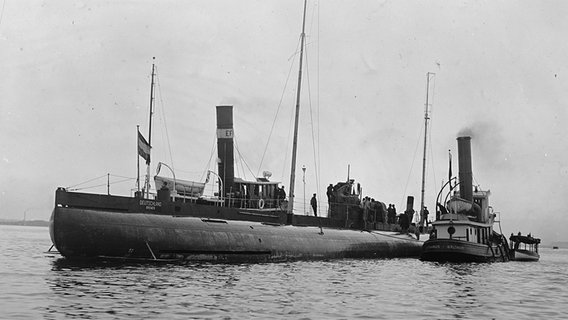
[164, 118]
[242, 158]
[315, 145]
[209, 161]
[411, 166]
[432, 161]
[124, 179]
[278, 110]
[86, 181]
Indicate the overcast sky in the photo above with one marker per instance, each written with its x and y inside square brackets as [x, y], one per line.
[76, 77]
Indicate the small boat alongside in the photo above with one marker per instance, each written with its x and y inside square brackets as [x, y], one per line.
[463, 229]
[524, 248]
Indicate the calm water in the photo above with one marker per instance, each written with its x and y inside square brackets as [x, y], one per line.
[36, 285]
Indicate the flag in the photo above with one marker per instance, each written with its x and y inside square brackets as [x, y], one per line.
[143, 148]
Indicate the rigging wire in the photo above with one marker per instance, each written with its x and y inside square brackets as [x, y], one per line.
[411, 167]
[290, 126]
[315, 136]
[432, 162]
[238, 160]
[318, 87]
[164, 119]
[293, 57]
[209, 161]
[429, 138]
[315, 147]
[76, 185]
[123, 179]
[290, 130]
[205, 172]
[242, 160]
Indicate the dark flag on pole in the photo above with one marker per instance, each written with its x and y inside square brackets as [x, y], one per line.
[143, 148]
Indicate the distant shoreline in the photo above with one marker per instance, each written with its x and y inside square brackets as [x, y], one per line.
[27, 223]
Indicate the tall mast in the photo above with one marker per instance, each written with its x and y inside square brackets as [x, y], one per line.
[147, 182]
[426, 118]
[295, 143]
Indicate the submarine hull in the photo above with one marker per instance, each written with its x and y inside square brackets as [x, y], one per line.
[86, 233]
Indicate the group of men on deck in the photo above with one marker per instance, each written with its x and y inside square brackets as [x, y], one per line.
[373, 211]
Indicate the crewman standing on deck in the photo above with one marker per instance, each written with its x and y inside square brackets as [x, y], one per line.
[404, 222]
[425, 216]
[280, 195]
[330, 194]
[391, 214]
[314, 203]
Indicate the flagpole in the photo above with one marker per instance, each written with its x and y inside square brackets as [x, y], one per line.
[137, 159]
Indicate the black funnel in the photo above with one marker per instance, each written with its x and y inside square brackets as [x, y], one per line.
[225, 148]
[465, 175]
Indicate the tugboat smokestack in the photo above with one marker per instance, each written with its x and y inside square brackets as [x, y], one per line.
[465, 175]
[225, 148]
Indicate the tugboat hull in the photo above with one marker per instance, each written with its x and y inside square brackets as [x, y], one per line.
[448, 250]
[83, 233]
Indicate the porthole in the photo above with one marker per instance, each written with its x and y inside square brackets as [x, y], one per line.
[451, 230]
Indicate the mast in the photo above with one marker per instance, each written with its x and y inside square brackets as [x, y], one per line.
[147, 181]
[295, 143]
[426, 118]
[137, 160]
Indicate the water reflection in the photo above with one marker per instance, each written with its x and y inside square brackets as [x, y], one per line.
[462, 294]
[395, 288]
[139, 290]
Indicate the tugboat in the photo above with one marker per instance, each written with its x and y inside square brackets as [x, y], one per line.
[463, 230]
[529, 249]
[246, 221]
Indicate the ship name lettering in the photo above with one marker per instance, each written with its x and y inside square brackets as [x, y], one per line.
[150, 204]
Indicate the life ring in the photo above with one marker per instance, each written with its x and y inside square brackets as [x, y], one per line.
[261, 204]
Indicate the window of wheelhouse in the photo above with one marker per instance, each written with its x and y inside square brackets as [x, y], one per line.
[268, 191]
[478, 201]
